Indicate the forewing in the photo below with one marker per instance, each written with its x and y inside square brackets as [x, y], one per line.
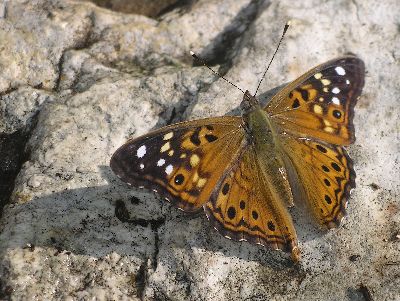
[320, 104]
[183, 161]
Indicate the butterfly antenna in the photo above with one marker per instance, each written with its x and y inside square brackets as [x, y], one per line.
[276, 50]
[215, 72]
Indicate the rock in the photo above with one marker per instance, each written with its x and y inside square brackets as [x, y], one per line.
[77, 80]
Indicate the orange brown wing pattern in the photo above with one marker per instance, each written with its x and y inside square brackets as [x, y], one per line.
[183, 161]
[326, 175]
[320, 104]
[242, 207]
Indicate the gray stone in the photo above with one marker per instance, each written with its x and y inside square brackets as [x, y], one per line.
[82, 79]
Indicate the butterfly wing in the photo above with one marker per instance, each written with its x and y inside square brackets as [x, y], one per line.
[326, 173]
[320, 104]
[314, 115]
[183, 161]
[242, 207]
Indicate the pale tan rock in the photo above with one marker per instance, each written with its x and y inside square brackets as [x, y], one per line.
[82, 79]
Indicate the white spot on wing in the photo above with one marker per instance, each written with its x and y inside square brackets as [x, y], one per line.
[141, 165]
[339, 70]
[169, 169]
[335, 90]
[141, 151]
[336, 101]
[347, 82]
[160, 162]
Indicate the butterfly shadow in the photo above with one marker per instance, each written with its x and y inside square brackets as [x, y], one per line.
[191, 232]
[113, 218]
[79, 221]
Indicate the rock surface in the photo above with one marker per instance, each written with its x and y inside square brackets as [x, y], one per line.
[78, 80]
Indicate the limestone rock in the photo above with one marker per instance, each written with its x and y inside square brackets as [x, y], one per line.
[79, 80]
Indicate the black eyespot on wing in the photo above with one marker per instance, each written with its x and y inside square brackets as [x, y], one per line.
[304, 94]
[296, 104]
[179, 179]
[321, 149]
[225, 189]
[231, 212]
[337, 114]
[335, 166]
[254, 214]
[194, 138]
[271, 226]
[328, 199]
[210, 137]
[242, 205]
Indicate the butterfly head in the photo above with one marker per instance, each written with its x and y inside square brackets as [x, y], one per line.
[249, 103]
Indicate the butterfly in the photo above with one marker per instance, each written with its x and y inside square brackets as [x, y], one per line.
[245, 171]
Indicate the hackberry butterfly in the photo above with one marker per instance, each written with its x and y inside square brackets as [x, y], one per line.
[245, 171]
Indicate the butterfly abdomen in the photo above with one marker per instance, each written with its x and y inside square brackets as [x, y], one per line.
[264, 141]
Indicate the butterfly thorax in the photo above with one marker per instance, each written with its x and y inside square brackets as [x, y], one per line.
[256, 122]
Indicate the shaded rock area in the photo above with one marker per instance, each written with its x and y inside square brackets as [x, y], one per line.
[76, 80]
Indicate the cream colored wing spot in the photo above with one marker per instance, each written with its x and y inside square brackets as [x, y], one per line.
[201, 182]
[195, 177]
[168, 136]
[165, 147]
[325, 82]
[318, 75]
[318, 109]
[194, 160]
[171, 153]
[329, 129]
